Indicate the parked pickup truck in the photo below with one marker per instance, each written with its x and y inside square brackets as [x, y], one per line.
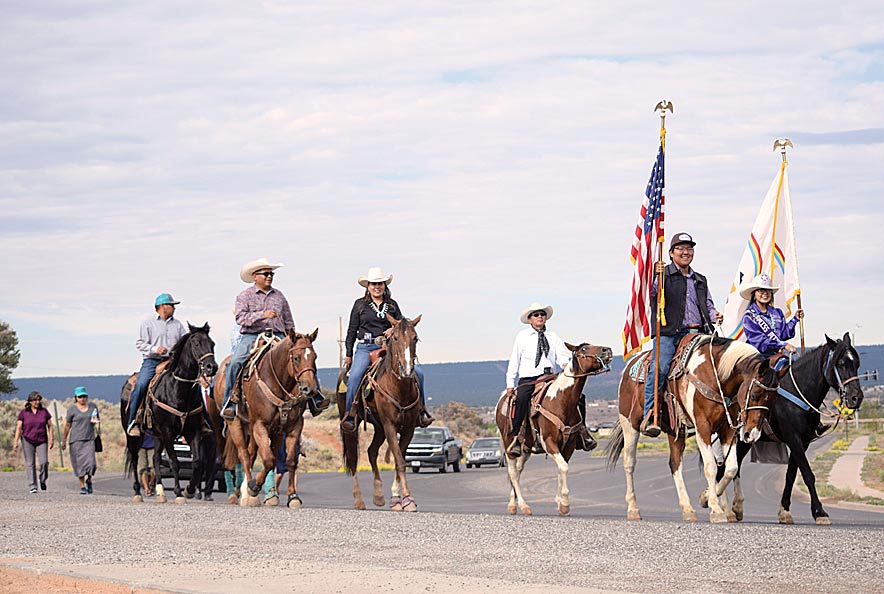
[434, 447]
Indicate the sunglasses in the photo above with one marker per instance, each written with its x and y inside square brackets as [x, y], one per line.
[268, 274]
[538, 314]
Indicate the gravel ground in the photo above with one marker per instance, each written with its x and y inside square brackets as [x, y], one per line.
[217, 548]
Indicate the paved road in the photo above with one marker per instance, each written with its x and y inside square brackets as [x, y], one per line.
[595, 493]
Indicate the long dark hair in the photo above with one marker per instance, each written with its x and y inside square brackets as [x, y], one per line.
[29, 400]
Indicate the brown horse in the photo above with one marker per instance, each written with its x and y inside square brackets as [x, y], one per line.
[557, 420]
[275, 394]
[393, 407]
[723, 389]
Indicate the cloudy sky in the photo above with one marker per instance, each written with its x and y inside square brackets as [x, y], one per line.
[486, 153]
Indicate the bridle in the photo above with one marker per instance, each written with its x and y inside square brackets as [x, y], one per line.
[603, 365]
[201, 361]
[831, 367]
[402, 375]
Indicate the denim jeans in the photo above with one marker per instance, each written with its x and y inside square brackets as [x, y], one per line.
[238, 359]
[360, 365]
[148, 370]
[668, 345]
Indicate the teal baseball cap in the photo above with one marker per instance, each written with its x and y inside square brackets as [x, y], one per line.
[164, 299]
[80, 391]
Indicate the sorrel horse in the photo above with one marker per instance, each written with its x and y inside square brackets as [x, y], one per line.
[795, 415]
[723, 388]
[394, 407]
[557, 420]
[175, 404]
[275, 395]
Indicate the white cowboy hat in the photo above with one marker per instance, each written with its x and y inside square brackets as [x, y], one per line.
[375, 275]
[535, 307]
[762, 281]
[249, 269]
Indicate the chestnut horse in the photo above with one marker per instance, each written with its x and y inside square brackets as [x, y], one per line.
[394, 407]
[275, 395]
[725, 388]
[557, 420]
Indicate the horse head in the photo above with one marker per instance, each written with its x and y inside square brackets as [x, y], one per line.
[202, 348]
[589, 359]
[842, 371]
[755, 397]
[402, 345]
[301, 363]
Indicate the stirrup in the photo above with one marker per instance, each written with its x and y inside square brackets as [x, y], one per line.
[133, 430]
[649, 428]
[349, 423]
[425, 419]
[229, 412]
[315, 407]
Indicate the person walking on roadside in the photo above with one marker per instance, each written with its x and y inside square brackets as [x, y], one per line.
[156, 337]
[34, 429]
[688, 309]
[81, 423]
[146, 472]
[259, 308]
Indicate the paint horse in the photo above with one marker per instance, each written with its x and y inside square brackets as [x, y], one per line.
[174, 403]
[721, 389]
[275, 393]
[795, 416]
[554, 419]
[393, 407]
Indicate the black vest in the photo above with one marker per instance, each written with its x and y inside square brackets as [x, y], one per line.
[675, 291]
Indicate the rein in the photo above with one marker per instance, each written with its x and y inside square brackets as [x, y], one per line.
[290, 399]
[183, 416]
[376, 386]
[842, 390]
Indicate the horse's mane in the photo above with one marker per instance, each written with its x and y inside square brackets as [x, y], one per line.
[178, 349]
[734, 353]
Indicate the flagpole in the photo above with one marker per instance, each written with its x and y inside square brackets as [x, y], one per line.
[662, 106]
[782, 143]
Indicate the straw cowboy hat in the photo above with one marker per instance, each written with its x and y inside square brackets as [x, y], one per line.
[249, 269]
[535, 307]
[375, 275]
[762, 281]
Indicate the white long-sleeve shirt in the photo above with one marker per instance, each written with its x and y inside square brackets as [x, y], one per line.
[525, 351]
[156, 332]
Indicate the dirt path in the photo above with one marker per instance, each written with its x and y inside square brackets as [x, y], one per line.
[20, 581]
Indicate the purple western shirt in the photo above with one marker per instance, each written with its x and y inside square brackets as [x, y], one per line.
[251, 304]
[691, 308]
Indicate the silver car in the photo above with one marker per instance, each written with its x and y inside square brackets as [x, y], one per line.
[486, 450]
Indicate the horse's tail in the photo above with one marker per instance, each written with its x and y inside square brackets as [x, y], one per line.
[614, 447]
[133, 444]
[350, 439]
[230, 455]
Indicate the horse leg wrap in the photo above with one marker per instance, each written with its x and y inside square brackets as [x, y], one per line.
[408, 501]
[394, 501]
[253, 488]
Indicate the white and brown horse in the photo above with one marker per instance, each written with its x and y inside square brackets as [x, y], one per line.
[556, 420]
[722, 388]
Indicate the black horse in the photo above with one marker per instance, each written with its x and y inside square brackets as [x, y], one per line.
[176, 405]
[795, 416]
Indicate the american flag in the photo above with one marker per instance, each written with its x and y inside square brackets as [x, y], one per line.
[648, 233]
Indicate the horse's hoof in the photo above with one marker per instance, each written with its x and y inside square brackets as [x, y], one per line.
[208, 497]
[704, 499]
[409, 505]
[718, 518]
[188, 494]
[138, 499]
[180, 500]
[526, 511]
[634, 515]
[360, 505]
[823, 521]
[231, 499]
[379, 500]
[253, 488]
[395, 503]
[731, 518]
[161, 499]
[564, 510]
[785, 517]
[689, 516]
[294, 501]
[271, 501]
[511, 509]
[738, 515]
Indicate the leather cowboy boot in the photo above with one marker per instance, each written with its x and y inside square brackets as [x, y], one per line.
[317, 404]
[426, 419]
[585, 440]
[649, 427]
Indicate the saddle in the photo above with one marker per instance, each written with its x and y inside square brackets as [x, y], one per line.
[260, 348]
[144, 416]
[541, 387]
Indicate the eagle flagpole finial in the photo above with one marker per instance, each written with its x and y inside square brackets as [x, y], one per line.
[662, 106]
[782, 143]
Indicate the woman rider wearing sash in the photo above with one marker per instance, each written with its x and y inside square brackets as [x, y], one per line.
[368, 321]
[765, 326]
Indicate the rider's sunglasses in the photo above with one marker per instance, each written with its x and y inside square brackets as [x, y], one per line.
[266, 274]
[538, 314]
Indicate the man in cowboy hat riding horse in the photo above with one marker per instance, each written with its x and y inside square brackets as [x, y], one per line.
[537, 352]
[259, 308]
